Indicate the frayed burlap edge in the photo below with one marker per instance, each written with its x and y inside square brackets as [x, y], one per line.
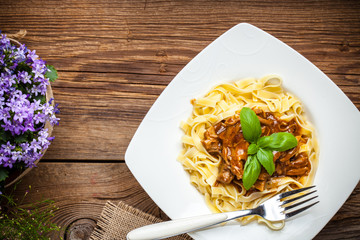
[117, 220]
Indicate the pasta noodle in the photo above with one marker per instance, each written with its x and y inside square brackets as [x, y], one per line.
[223, 102]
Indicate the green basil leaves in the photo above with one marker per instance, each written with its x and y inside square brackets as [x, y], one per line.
[261, 148]
[281, 141]
[250, 125]
[266, 157]
[253, 148]
[251, 171]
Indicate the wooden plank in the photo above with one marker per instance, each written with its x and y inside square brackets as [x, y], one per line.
[345, 224]
[81, 189]
[115, 58]
[129, 38]
[98, 118]
[90, 182]
[114, 61]
[167, 57]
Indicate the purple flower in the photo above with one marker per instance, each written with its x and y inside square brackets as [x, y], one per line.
[7, 80]
[4, 114]
[7, 126]
[39, 118]
[28, 126]
[38, 68]
[2, 101]
[17, 128]
[4, 42]
[43, 137]
[25, 147]
[20, 53]
[23, 113]
[9, 162]
[2, 57]
[3, 157]
[24, 77]
[15, 155]
[37, 90]
[31, 56]
[35, 145]
[7, 148]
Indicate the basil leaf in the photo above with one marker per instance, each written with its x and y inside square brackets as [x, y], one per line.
[281, 141]
[251, 171]
[266, 158]
[250, 125]
[265, 141]
[252, 149]
[51, 74]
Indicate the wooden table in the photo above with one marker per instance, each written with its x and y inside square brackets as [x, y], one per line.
[115, 58]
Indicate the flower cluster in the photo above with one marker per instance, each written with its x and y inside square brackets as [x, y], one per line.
[24, 78]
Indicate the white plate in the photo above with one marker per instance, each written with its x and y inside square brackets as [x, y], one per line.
[246, 51]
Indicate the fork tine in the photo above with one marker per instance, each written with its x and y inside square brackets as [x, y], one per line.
[297, 198]
[287, 194]
[299, 203]
[293, 213]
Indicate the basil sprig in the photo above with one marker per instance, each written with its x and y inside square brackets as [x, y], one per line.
[261, 148]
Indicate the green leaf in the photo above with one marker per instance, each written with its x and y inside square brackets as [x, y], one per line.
[250, 125]
[265, 141]
[5, 136]
[281, 141]
[252, 149]
[20, 138]
[22, 66]
[42, 98]
[266, 158]
[51, 73]
[2, 135]
[3, 174]
[251, 171]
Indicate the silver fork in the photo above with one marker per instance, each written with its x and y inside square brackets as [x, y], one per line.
[274, 209]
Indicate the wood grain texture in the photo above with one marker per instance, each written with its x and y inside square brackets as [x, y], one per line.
[114, 59]
[81, 190]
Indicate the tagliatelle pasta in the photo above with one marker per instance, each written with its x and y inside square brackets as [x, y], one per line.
[223, 104]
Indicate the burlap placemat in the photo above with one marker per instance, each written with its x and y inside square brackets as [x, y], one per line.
[117, 220]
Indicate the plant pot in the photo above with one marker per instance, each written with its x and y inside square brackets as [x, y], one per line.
[16, 175]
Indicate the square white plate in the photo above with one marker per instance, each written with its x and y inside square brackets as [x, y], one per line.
[246, 51]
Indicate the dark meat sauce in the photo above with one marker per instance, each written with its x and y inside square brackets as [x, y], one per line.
[225, 139]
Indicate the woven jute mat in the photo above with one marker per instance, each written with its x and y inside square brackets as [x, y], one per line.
[117, 220]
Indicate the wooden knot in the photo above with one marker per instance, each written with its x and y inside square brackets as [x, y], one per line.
[344, 46]
[80, 229]
[161, 53]
[162, 68]
[162, 59]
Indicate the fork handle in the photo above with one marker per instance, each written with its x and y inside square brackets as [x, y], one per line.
[176, 227]
[185, 225]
